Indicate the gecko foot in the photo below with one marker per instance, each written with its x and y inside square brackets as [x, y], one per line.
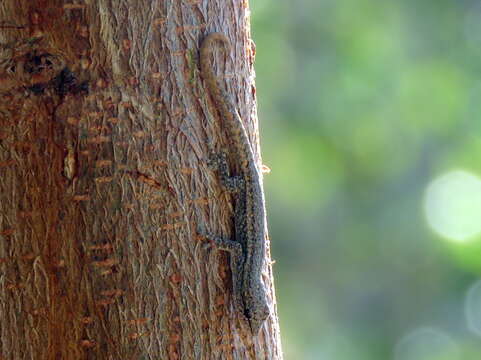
[218, 162]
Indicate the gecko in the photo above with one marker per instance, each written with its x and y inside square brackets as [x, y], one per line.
[248, 247]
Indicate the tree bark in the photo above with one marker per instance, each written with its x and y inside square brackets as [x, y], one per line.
[105, 127]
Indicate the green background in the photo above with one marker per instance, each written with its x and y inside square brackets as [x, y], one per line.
[362, 104]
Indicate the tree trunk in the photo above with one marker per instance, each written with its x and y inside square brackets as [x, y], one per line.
[105, 127]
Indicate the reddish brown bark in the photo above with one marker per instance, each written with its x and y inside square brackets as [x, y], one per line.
[103, 180]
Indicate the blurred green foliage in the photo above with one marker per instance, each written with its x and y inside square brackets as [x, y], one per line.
[362, 103]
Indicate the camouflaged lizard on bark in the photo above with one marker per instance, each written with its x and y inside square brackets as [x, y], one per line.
[248, 249]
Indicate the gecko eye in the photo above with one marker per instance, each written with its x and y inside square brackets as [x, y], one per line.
[12, 68]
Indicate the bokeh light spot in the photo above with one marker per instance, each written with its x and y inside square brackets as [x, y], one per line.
[473, 308]
[426, 344]
[453, 205]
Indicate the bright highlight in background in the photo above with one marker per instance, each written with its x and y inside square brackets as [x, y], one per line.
[453, 205]
[426, 344]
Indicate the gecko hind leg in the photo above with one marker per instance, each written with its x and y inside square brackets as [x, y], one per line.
[218, 162]
[236, 263]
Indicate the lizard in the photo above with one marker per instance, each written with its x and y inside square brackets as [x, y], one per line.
[248, 248]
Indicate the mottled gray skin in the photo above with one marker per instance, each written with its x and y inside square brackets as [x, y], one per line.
[248, 249]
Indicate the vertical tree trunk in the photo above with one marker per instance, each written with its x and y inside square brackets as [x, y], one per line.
[105, 127]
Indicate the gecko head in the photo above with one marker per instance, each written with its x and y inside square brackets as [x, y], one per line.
[258, 311]
[257, 318]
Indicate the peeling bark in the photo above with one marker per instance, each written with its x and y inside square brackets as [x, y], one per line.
[104, 132]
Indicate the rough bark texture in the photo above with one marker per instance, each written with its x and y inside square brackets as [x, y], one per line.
[104, 132]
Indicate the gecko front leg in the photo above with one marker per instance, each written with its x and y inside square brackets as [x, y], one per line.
[218, 162]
